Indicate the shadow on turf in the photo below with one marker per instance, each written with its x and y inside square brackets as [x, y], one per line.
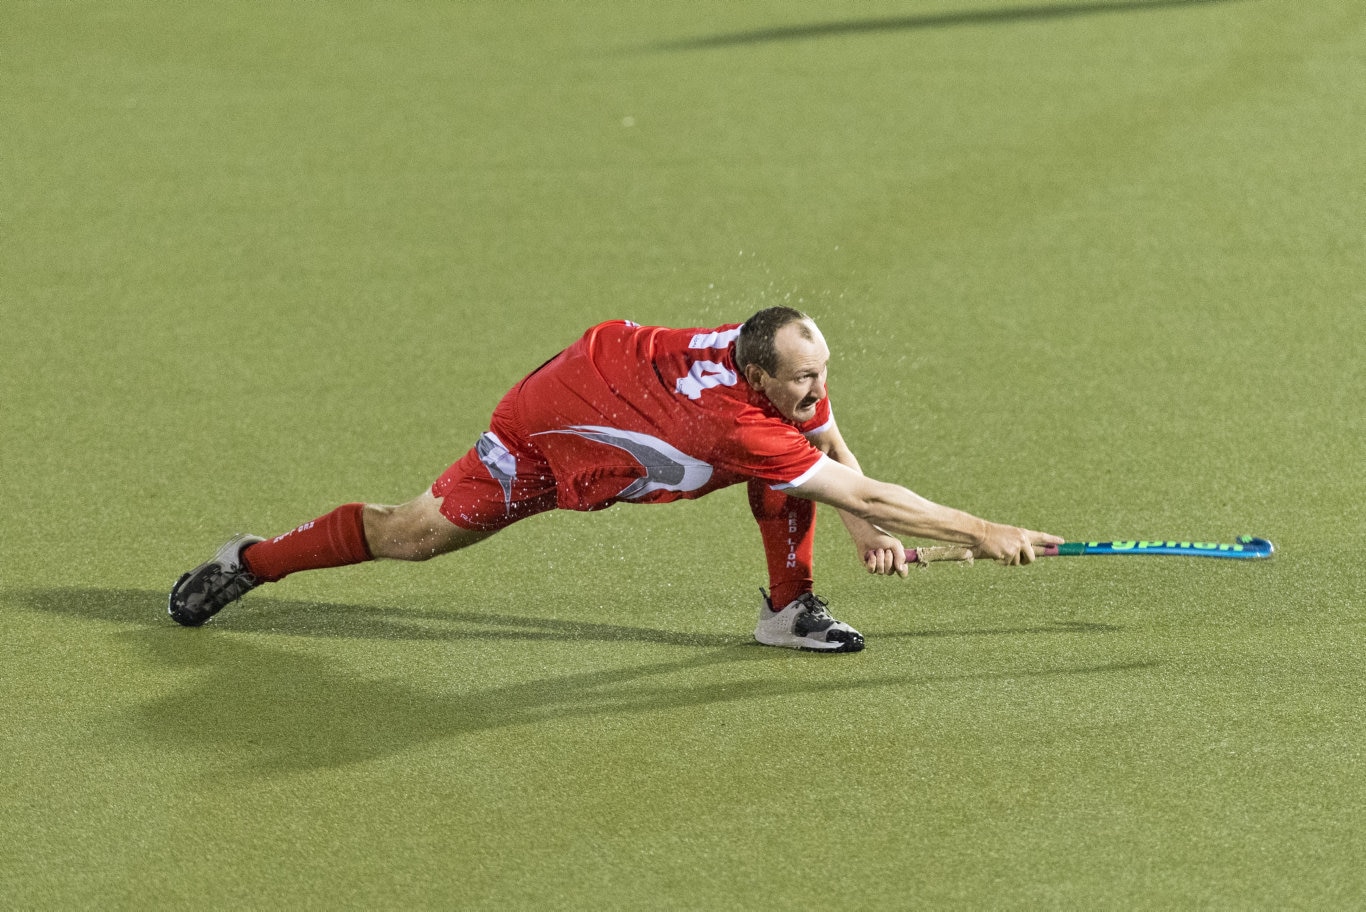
[1055, 627]
[261, 710]
[289, 617]
[291, 712]
[996, 16]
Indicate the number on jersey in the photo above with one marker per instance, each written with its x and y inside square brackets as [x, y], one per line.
[704, 375]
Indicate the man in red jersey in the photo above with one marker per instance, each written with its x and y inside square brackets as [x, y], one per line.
[645, 414]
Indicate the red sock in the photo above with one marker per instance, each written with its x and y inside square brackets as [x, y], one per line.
[334, 540]
[788, 525]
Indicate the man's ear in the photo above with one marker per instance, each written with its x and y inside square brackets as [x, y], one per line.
[755, 375]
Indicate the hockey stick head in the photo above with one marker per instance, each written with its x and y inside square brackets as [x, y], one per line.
[1247, 547]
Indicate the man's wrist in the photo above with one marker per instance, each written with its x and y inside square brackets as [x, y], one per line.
[983, 529]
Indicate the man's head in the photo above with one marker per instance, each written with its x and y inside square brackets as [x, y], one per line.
[782, 354]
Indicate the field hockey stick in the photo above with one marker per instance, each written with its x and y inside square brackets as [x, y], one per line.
[1247, 547]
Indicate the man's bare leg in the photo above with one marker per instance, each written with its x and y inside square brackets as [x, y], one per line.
[415, 531]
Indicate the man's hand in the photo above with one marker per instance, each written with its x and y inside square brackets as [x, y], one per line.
[1010, 545]
[882, 554]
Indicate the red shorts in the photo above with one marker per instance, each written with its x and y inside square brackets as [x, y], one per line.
[503, 478]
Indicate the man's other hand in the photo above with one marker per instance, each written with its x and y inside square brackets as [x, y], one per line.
[883, 555]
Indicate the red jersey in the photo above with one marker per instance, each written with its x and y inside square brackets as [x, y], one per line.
[649, 414]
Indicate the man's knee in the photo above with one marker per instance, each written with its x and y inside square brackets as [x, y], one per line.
[414, 531]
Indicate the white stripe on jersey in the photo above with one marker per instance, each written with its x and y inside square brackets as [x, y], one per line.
[666, 468]
[804, 477]
[824, 427]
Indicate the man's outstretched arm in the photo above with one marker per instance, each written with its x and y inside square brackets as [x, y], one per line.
[879, 551]
[903, 512]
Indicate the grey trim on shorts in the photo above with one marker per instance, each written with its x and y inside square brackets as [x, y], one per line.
[500, 462]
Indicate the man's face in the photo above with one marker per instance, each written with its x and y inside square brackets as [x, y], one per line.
[799, 385]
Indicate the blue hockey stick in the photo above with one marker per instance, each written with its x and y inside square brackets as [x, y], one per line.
[1247, 547]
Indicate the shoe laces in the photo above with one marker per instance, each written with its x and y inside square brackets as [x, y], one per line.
[814, 604]
[228, 584]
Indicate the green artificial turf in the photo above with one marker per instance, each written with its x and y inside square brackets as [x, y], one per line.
[1095, 268]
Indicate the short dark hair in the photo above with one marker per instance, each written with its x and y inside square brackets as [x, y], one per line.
[755, 342]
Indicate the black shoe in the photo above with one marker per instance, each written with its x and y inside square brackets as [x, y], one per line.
[219, 581]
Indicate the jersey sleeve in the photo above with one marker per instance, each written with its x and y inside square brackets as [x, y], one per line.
[771, 450]
[804, 477]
